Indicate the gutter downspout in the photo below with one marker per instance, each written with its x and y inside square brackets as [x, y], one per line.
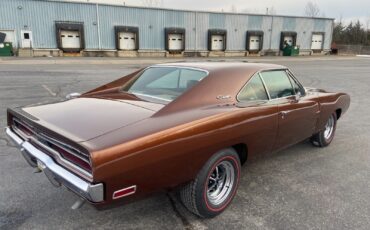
[98, 25]
[196, 28]
[272, 23]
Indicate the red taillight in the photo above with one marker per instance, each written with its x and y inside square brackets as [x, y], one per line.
[72, 158]
[26, 130]
[124, 192]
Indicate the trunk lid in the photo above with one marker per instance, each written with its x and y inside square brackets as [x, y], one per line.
[82, 119]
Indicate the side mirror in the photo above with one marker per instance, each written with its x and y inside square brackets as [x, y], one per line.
[297, 96]
[72, 95]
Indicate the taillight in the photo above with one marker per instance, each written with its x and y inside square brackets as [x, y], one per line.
[71, 157]
[22, 127]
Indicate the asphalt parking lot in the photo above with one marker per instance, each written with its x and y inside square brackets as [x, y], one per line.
[302, 187]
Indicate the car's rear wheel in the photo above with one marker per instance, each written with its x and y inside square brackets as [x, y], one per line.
[325, 136]
[215, 185]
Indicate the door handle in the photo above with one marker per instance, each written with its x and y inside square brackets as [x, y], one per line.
[283, 114]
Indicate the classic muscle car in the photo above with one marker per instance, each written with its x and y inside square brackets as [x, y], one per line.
[188, 126]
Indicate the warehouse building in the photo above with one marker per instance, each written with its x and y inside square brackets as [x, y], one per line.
[57, 28]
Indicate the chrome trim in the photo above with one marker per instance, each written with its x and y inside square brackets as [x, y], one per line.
[179, 67]
[91, 192]
[65, 147]
[14, 137]
[127, 194]
[264, 85]
[257, 74]
[35, 137]
[64, 161]
[147, 95]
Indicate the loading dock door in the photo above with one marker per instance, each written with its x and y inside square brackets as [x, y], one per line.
[175, 42]
[217, 42]
[70, 39]
[254, 42]
[289, 40]
[317, 40]
[127, 41]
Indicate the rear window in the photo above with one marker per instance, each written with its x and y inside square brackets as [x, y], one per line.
[164, 83]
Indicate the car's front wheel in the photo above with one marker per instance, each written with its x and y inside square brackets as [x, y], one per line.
[325, 136]
[215, 185]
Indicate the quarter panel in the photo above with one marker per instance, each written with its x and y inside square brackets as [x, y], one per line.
[173, 156]
[329, 103]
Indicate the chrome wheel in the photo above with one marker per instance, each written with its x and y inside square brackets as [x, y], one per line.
[220, 183]
[329, 127]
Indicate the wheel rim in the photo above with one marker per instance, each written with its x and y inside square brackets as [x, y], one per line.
[329, 127]
[220, 183]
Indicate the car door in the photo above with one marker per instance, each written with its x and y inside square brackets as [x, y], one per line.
[260, 117]
[297, 112]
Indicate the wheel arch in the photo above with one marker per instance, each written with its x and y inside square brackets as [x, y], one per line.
[242, 150]
[338, 113]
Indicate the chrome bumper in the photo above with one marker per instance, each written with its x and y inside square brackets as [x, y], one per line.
[56, 173]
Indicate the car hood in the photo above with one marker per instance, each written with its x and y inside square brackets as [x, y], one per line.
[82, 119]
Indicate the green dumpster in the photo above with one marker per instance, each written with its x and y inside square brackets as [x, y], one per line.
[287, 50]
[290, 50]
[295, 51]
[6, 49]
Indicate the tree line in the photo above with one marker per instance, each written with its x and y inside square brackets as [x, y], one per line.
[351, 34]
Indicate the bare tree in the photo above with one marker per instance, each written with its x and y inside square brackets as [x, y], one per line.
[312, 9]
[152, 3]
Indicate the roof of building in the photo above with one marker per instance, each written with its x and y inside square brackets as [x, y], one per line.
[184, 10]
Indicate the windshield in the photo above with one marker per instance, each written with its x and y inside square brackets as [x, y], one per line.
[164, 83]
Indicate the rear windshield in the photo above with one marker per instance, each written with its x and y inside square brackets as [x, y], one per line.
[164, 83]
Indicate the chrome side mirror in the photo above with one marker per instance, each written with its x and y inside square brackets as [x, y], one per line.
[298, 96]
[72, 95]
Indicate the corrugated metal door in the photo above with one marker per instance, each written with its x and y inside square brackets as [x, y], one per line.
[175, 41]
[217, 42]
[317, 41]
[254, 42]
[70, 39]
[288, 39]
[10, 36]
[127, 41]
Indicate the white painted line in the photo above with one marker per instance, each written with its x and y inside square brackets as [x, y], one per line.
[363, 56]
[49, 90]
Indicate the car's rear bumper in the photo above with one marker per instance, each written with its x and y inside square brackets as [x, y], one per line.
[56, 173]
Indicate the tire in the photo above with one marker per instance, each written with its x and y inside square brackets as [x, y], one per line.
[215, 186]
[325, 136]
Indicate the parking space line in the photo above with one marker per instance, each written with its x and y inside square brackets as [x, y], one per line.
[49, 91]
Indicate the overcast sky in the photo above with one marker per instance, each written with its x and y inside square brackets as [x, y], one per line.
[345, 9]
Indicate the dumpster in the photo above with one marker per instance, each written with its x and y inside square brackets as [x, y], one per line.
[290, 50]
[6, 49]
[287, 50]
[295, 51]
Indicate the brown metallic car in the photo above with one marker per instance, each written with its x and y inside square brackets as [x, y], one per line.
[185, 125]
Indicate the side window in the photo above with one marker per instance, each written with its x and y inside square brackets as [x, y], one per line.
[253, 90]
[189, 78]
[168, 81]
[277, 83]
[297, 87]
